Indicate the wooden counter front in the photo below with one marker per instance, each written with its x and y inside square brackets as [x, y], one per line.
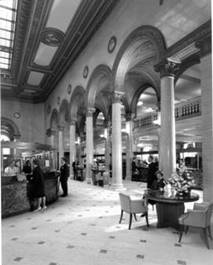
[14, 194]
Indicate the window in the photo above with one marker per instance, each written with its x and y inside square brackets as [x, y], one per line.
[7, 30]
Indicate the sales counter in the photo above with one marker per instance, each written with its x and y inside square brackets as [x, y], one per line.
[15, 193]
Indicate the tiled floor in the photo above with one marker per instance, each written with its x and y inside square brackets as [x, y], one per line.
[83, 229]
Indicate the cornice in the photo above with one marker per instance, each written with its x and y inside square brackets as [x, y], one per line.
[198, 35]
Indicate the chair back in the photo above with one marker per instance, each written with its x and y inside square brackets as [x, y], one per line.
[209, 214]
[125, 202]
[207, 207]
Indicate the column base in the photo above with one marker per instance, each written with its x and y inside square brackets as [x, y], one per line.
[117, 187]
[89, 180]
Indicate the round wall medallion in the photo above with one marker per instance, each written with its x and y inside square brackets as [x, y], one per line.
[112, 44]
[69, 88]
[48, 109]
[17, 115]
[52, 37]
[86, 71]
[58, 100]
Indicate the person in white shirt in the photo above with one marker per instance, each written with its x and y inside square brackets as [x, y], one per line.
[11, 170]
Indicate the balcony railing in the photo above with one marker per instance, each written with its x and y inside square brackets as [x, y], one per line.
[184, 110]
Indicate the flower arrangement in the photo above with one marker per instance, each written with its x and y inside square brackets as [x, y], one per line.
[181, 183]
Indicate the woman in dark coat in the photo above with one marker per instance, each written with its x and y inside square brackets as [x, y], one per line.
[64, 175]
[38, 186]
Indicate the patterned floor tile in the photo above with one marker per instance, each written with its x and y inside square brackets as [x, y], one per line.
[139, 256]
[70, 246]
[14, 238]
[18, 258]
[181, 262]
[41, 242]
[103, 251]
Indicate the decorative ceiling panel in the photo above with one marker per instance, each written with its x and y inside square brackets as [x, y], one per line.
[62, 13]
[50, 35]
[35, 78]
[44, 54]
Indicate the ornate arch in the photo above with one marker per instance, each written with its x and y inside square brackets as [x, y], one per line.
[77, 103]
[10, 128]
[133, 106]
[99, 87]
[64, 112]
[145, 45]
[54, 119]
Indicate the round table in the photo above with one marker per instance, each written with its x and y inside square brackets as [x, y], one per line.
[169, 208]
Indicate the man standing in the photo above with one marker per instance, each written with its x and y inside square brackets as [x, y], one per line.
[151, 172]
[64, 170]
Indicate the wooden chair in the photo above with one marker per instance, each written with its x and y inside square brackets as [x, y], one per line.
[133, 205]
[200, 217]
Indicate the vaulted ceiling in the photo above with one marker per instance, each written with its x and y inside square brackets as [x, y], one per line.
[49, 36]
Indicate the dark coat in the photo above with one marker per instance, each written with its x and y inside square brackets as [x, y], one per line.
[151, 174]
[64, 170]
[38, 183]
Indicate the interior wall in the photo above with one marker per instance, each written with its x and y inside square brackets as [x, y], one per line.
[127, 16]
[31, 122]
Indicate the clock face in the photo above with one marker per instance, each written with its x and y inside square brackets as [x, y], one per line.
[16, 115]
[112, 44]
[86, 71]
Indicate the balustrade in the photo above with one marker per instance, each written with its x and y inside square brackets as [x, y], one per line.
[183, 110]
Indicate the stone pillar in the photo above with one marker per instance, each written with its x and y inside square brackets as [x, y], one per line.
[107, 150]
[167, 143]
[53, 152]
[129, 146]
[207, 126]
[72, 146]
[60, 143]
[116, 142]
[89, 144]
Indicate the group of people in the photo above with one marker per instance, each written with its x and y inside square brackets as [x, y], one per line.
[35, 177]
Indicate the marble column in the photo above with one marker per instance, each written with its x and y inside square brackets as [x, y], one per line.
[60, 143]
[167, 143]
[207, 126]
[89, 144]
[116, 142]
[129, 146]
[107, 150]
[72, 146]
[52, 143]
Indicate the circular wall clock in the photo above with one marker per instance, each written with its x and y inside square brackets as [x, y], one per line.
[69, 88]
[86, 71]
[112, 44]
[17, 115]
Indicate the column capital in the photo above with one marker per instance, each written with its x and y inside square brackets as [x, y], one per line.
[60, 128]
[117, 96]
[90, 112]
[204, 45]
[107, 123]
[50, 132]
[129, 116]
[73, 122]
[168, 67]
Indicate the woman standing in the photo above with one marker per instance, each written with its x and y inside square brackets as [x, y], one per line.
[38, 186]
[64, 175]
